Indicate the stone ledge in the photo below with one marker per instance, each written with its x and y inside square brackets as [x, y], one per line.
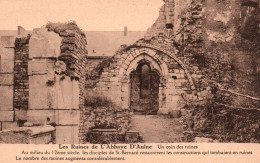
[35, 130]
[27, 135]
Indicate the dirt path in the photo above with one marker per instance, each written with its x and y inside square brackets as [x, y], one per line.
[157, 128]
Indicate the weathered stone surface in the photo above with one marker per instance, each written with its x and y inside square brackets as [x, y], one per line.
[21, 31]
[67, 135]
[163, 111]
[7, 41]
[41, 117]
[6, 116]
[7, 59]
[6, 79]
[44, 138]
[66, 117]
[8, 125]
[52, 91]
[44, 43]
[28, 124]
[37, 66]
[13, 137]
[42, 85]
[66, 93]
[38, 94]
[27, 135]
[6, 100]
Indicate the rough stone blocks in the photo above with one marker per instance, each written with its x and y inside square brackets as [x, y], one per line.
[67, 117]
[7, 60]
[41, 116]
[7, 41]
[67, 135]
[6, 79]
[6, 116]
[44, 43]
[6, 100]
[38, 92]
[8, 125]
[41, 139]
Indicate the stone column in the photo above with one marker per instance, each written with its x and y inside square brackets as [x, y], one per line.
[54, 87]
[7, 44]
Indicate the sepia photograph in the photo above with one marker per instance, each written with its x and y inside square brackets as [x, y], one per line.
[132, 72]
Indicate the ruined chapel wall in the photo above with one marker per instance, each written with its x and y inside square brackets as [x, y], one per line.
[227, 46]
[115, 83]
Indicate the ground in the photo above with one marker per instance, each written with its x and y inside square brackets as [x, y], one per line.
[157, 128]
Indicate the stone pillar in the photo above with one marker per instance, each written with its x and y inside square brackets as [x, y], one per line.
[56, 81]
[7, 45]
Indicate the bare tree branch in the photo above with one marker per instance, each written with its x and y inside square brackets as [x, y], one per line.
[220, 87]
[236, 107]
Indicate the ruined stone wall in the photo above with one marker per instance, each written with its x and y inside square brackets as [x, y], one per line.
[219, 39]
[21, 79]
[78, 67]
[231, 40]
[176, 79]
[74, 54]
[49, 81]
[7, 48]
[105, 118]
[228, 61]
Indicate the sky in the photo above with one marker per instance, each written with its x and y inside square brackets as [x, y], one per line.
[90, 15]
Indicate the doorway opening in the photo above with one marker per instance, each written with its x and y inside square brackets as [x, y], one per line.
[144, 93]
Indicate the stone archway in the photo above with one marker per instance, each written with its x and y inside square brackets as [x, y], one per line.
[144, 89]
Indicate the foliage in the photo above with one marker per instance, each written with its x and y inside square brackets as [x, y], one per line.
[95, 99]
[63, 27]
[92, 77]
[223, 123]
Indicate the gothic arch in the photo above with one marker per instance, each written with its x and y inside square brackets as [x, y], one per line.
[138, 51]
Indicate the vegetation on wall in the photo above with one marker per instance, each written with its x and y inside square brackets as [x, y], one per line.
[92, 77]
[107, 115]
[230, 70]
[95, 99]
[64, 27]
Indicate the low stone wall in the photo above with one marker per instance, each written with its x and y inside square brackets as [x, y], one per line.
[28, 135]
[105, 118]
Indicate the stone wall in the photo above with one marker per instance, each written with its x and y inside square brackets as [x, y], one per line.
[220, 39]
[21, 80]
[28, 135]
[7, 48]
[49, 80]
[74, 54]
[177, 74]
[105, 118]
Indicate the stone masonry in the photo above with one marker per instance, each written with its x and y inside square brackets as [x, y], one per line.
[48, 80]
[175, 78]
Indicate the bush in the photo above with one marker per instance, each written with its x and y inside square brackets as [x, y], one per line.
[95, 99]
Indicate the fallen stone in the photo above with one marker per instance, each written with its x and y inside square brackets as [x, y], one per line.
[28, 124]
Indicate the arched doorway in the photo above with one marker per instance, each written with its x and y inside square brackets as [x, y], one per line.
[144, 95]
